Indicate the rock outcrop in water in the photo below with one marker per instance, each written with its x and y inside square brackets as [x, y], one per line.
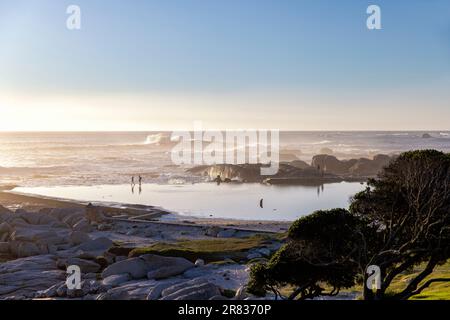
[324, 168]
[296, 172]
[362, 167]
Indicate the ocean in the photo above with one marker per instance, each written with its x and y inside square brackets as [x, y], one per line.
[98, 166]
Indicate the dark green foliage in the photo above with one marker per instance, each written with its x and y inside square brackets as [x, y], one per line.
[319, 253]
[401, 220]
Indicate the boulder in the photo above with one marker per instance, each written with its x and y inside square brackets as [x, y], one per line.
[17, 222]
[65, 213]
[367, 167]
[26, 249]
[156, 291]
[61, 291]
[104, 227]
[137, 268]
[86, 266]
[254, 255]
[99, 244]
[228, 233]
[59, 225]
[34, 217]
[327, 151]
[164, 267]
[46, 219]
[50, 292]
[72, 219]
[241, 293]
[94, 214]
[75, 293]
[331, 164]
[82, 225]
[199, 263]
[4, 248]
[120, 258]
[150, 266]
[4, 210]
[202, 292]
[5, 227]
[116, 279]
[212, 231]
[185, 284]
[102, 261]
[264, 251]
[300, 164]
[78, 237]
[26, 276]
[37, 234]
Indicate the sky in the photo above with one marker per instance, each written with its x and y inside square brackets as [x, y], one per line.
[276, 64]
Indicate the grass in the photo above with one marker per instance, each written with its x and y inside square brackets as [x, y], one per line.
[436, 291]
[210, 250]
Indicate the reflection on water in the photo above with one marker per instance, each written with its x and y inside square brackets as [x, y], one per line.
[239, 201]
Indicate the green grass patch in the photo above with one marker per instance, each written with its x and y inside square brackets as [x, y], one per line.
[210, 250]
[436, 291]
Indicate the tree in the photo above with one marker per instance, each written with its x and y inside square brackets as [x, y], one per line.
[317, 259]
[402, 219]
[410, 205]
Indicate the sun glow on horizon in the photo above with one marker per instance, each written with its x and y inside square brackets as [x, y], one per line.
[153, 112]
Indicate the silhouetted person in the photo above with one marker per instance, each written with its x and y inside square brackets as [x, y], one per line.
[140, 180]
[132, 181]
[218, 179]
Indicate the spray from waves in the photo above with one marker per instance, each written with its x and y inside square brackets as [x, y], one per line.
[321, 142]
[157, 139]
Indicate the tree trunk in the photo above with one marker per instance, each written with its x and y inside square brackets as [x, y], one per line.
[367, 293]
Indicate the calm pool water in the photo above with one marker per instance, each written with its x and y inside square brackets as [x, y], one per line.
[236, 201]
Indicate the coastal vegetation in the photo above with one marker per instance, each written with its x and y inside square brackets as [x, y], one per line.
[399, 223]
[209, 250]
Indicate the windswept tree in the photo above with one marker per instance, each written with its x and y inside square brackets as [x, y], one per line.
[318, 259]
[401, 220]
[410, 205]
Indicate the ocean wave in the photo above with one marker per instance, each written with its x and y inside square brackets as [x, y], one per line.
[156, 138]
[397, 134]
[321, 142]
[32, 170]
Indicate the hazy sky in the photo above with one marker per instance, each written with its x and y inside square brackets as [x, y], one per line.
[150, 65]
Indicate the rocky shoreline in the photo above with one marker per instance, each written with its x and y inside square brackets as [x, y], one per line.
[122, 258]
[324, 168]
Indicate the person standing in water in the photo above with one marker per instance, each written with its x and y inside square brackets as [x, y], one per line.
[140, 180]
[132, 181]
[218, 180]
